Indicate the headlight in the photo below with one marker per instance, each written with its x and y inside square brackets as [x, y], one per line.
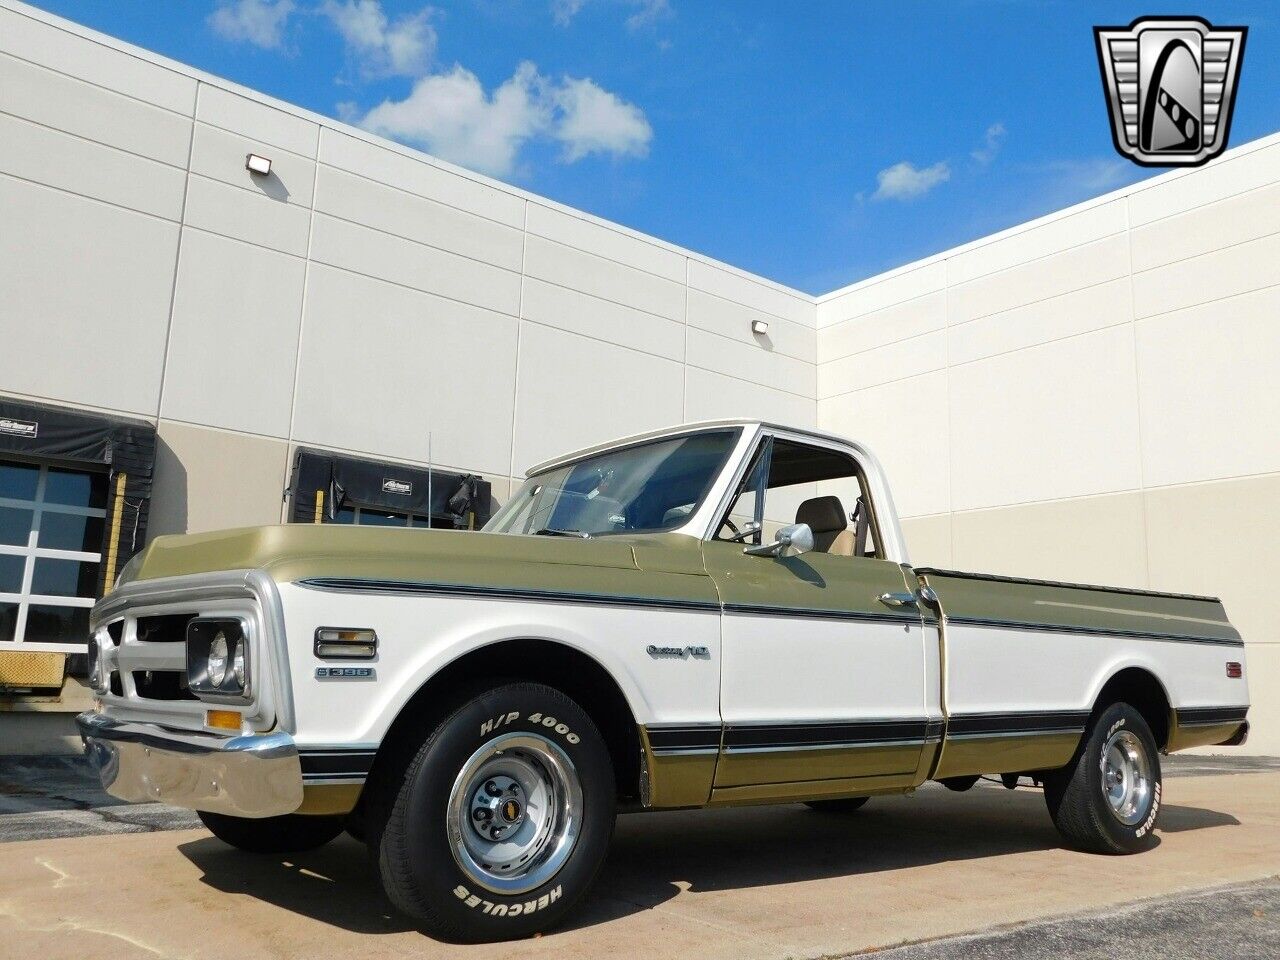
[218, 657]
[217, 662]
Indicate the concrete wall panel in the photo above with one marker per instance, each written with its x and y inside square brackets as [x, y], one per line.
[731, 319]
[211, 480]
[220, 155]
[85, 292]
[245, 215]
[600, 277]
[234, 337]
[257, 121]
[556, 306]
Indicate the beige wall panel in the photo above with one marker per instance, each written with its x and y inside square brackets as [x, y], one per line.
[894, 361]
[1210, 390]
[85, 288]
[733, 320]
[711, 396]
[73, 106]
[929, 541]
[382, 365]
[77, 165]
[1031, 242]
[1224, 539]
[407, 215]
[1214, 276]
[756, 293]
[905, 425]
[573, 391]
[1248, 216]
[234, 337]
[606, 240]
[421, 176]
[1091, 540]
[590, 316]
[1048, 422]
[244, 215]
[1041, 279]
[603, 278]
[1080, 311]
[913, 318]
[1237, 172]
[376, 254]
[882, 292]
[1221, 539]
[221, 156]
[59, 49]
[212, 480]
[750, 362]
[256, 121]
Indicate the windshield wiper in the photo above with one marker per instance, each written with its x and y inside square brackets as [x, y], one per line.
[553, 532]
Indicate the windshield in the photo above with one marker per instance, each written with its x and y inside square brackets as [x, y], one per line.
[647, 487]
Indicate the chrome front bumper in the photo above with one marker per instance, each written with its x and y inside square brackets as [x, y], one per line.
[245, 776]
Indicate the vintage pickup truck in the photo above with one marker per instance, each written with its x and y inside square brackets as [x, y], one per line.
[635, 629]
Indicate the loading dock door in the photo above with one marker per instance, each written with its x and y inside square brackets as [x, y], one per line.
[74, 494]
[327, 488]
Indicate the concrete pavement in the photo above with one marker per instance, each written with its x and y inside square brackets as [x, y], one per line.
[767, 882]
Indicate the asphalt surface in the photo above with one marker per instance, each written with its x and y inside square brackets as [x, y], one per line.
[1240, 922]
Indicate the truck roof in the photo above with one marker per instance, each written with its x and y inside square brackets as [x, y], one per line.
[675, 431]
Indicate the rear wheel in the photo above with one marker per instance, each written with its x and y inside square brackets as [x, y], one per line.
[502, 819]
[1107, 799]
[842, 805]
[291, 833]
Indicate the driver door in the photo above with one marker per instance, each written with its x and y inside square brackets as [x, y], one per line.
[822, 683]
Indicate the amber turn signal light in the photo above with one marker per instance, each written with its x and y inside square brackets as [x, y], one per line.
[222, 719]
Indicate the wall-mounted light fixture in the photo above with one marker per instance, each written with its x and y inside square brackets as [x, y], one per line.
[760, 326]
[256, 164]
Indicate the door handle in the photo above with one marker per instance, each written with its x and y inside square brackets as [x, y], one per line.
[897, 599]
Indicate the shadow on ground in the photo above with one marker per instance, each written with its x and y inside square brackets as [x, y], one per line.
[655, 856]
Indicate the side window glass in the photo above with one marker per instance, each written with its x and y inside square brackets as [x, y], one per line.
[823, 488]
[740, 522]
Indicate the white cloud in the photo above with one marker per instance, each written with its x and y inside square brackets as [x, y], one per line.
[382, 47]
[650, 12]
[451, 116]
[594, 120]
[904, 181]
[259, 22]
[563, 11]
[1090, 176]
[647, 12]
[992, 141]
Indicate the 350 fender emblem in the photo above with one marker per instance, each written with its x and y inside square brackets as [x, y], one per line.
[684, 653]
[344, 673]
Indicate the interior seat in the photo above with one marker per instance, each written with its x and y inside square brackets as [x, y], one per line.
[829, 523]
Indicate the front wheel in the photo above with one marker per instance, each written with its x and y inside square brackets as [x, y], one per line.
[291, 833]
[1108, 798]
[502, 819]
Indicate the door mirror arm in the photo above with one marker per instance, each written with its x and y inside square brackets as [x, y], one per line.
[790, 541]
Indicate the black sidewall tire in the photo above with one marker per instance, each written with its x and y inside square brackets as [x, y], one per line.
[416, 859]
[1076, 798]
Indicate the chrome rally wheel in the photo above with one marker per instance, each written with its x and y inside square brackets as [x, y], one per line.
[514, 813]
[1126, 777]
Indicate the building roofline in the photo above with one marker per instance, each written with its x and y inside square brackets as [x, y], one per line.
[230, 86]
[1234, 153]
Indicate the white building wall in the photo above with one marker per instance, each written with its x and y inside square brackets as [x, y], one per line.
[1091, 396]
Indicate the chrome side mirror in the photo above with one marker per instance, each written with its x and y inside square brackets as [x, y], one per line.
[789, 541]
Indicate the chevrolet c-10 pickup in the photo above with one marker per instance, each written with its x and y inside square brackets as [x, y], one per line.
[715, 614]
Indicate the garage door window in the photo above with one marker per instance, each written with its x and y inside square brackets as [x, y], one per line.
[51, 526]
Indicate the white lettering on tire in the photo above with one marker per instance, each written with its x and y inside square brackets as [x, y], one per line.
[492, 909]
[546, 720]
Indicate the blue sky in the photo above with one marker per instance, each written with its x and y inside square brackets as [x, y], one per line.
[815, 143]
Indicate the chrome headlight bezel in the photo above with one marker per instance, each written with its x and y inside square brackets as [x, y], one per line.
[230, 685]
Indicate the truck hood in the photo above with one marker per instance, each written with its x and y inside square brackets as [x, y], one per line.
[293, 552]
